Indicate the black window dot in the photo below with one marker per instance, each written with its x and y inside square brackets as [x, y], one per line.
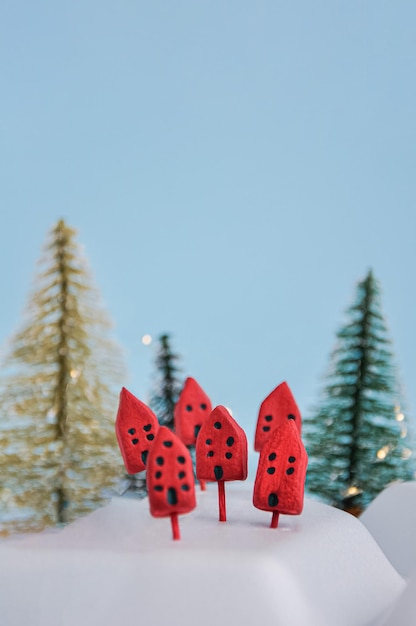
[290, 471]
[230, 441]
[181, 475]
[228, 455]
[268, 418]
[158, 475]
[218, 472]
[217, 425]
[185, 487]
[160, 460]
[144, 456]
[189, 407]
[150, 437]
[292, 459]
[291, 416]
[272, 456]
[168, 444]
[171, 496]
[135, 441]
[203, 406]
[196, 430]
[271, 470]
[273, 500]
[208, 442]
[147, 428]
[158, 488]
[266, 429]
[210, 453]
[131, 431]
[181, 460]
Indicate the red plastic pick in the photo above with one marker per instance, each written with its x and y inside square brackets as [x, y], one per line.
[221, 452]
[191, 410]
[170, 478]
[136, 428]
[280, 479]
[278, 407]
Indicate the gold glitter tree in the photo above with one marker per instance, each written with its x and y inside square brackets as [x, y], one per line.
[58, 397]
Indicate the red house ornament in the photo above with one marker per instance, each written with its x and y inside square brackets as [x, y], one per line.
[278, 407]
[221, 452]
[136, 428]
[191, 410]
[281, 472]
[170, 478]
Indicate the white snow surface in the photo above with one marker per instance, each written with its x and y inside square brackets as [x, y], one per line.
[120, 566]
[391, 520]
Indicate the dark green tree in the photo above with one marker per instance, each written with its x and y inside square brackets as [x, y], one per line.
[168, 384]
[357, 439]
[58, 397]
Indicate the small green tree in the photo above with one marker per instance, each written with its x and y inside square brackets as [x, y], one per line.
[58, 397]
[168, 385]
[357, 440]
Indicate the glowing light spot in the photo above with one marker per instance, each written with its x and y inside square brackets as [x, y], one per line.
[353, 491]
[147, 340]
[383, 452]
[406, 454]
[400, 417]
[74, 374]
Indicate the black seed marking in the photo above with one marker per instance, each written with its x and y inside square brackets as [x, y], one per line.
[290, 471]
[228, 455]
[144, 456]
[230, 441]
[158, 475]
[167, 444]
[131, 431]
[266, 429]
[271, 470]
[273, 499]
[181, 475]
[218, 472]
[291, 416]
[150, 437]
[135, 441]
[292, 459]
[185, 487]
[210, 453]
[158, 488]
[272, 456]
[160, 460]
[181, 460]
[217, 425]
[171, 496]
[189, 407]
[268, 418]
[203, 406]
[208, 442]
[147, 428]
[196, 430]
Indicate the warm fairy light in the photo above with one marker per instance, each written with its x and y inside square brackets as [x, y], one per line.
[406, 454]
[146, 340]
[74, 374]
[353, 491]
[383, 452]
[400, 417]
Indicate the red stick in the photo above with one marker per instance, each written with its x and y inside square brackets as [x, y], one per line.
[175, 526]
[275, 519]
[203, 485]
[221, 501]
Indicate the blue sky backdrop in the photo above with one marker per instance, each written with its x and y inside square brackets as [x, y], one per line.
[233, 168]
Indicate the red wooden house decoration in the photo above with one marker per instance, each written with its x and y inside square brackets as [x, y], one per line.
[276, 409]
[281, 472]
[191, 410]
[170, 478]
[221, 452]
[136, 429]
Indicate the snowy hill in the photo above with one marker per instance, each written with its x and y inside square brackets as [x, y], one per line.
[119, 565]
